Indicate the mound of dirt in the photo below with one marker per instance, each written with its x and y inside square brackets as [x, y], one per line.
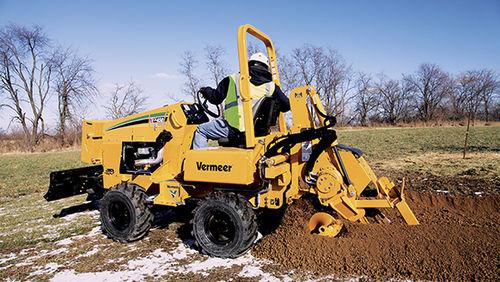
[456, 240]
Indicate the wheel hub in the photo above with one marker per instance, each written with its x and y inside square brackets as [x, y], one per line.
[220, 228]
[119, 215]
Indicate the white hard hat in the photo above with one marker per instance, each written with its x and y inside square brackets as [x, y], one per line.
[260, 57]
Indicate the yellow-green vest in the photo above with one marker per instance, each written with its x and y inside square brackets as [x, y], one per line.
[233, 108]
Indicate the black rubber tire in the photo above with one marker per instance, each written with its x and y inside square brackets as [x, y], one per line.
[240, 230]
[125, 215]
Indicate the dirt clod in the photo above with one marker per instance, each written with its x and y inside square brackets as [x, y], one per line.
[456, 240]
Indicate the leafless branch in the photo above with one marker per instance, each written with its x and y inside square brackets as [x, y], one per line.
[125, 100]
[74, 82]
[25, 76]
[187, 67]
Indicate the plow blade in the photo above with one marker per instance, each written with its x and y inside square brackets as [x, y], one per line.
[407, 214]
[403, 207]
[72, 182]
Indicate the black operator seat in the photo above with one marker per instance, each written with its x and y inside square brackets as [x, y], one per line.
[265, 115]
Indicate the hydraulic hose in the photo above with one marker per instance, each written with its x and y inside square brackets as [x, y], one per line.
[325, 135]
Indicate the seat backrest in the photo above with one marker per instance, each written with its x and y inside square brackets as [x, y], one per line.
[265, 115]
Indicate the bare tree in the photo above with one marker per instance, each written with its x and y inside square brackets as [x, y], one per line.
[327, 71]
[74, 125]
[474, 89]
[429, 85]
[393, 100]
[74, 85]
[365, 98]
[336, 81]
[289, 76]
[467, 96]
[187, 67]
[491, 92]
[306, 66]
[125, 100]
[457, 98]
[214, 56]
[253, 48]
[25, 74]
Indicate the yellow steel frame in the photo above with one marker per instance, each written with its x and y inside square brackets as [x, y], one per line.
[245, 78]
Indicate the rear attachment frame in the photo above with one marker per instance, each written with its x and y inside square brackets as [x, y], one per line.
[77, 181]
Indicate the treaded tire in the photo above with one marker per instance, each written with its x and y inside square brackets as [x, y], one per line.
[224, 225]
[125, 215]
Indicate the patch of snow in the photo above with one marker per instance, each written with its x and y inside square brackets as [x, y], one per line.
[92, 252]
[71, 275]
[26, 251]
[442, 191]
[65, 241]
[44, 253]
[182, 251]
[55, 252]
[23, 264]
[212, 262]
[95, 231]
[478, 193]
[28, 230]
[73, 216]
[250, 271]
[50, 267]
[50, 235]
[115, 260]
[7, 258]
[254, 271]
[160, 263]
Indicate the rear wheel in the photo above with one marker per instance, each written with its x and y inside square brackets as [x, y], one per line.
[125, 215]
[224, 225]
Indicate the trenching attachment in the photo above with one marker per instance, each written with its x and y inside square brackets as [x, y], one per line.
[324, 224]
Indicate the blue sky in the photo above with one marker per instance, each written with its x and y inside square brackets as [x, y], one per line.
[141, 40]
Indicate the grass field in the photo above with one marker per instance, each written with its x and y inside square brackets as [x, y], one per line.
[30, 236]
[388, 143]
[434, 150]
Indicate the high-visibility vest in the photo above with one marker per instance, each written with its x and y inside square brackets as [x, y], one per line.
[233, 108]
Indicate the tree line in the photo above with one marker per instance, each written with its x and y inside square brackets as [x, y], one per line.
[428, 95]
[34, 69]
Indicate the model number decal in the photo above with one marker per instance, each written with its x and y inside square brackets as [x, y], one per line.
[157, 119]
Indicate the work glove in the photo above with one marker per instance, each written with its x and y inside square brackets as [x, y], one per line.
[204, 91]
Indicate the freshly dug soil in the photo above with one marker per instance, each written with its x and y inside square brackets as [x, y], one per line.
[457, 239]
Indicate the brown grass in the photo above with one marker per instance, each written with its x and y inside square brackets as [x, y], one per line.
[14, 143]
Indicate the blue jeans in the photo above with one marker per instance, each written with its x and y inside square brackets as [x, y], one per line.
[213, 130]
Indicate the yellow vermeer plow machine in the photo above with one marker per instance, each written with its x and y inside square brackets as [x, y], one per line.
[147, 159]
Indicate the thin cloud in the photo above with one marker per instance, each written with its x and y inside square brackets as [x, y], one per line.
[163, 75]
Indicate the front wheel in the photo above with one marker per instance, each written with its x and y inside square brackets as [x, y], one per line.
[224, 225]
[125, 215]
